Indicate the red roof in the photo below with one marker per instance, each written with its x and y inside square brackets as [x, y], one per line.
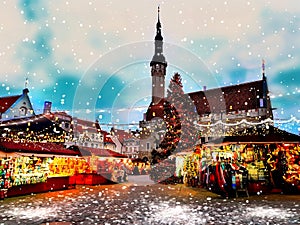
[7, 102]
[122, 135]
[35, 147]
[102, 152]
[59, 115]
[234, 98]
[84, 125]
[157, 110]
[106, 138]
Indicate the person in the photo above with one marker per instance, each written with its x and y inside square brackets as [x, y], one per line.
[136, 170]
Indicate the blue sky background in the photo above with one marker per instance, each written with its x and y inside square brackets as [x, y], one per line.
[91, 58]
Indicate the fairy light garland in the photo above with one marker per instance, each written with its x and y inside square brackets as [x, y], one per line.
[244, 121]
[4, 123]
[219, 122]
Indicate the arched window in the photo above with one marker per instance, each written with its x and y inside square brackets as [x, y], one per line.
[23, 111]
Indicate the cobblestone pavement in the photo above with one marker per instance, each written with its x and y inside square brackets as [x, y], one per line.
[146, 203]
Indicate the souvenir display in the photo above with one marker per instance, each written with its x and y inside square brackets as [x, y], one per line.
[292, 174]
[227, 168]
[29, 170]
[64, 166]
[190, 170]
[6, 171]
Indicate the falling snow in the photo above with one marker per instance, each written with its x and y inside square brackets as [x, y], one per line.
[54, 45]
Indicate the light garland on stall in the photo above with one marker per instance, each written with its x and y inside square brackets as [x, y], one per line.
[244, 121]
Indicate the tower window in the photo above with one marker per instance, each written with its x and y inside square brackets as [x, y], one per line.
[261, 102]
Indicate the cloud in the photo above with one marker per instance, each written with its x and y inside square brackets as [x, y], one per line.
[33, 10]
[58, 42]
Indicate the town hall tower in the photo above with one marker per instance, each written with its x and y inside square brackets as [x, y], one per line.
[158, 67]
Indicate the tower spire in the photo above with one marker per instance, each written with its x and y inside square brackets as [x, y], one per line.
[158, 13]
[158, 36]
[158, 51]
[25, 90]
[263, 67]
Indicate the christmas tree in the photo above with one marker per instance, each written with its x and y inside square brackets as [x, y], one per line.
[179, 118]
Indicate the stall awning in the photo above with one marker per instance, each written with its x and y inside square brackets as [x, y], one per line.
[258, 135]
[7, 145]
[7, 154]
[16, 154]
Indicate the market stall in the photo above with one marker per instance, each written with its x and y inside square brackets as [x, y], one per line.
[228, 168]
[106, 166]
[31, 167]
[214, 167]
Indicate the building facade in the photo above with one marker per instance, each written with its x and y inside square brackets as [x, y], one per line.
[86, 134]
[13, 107]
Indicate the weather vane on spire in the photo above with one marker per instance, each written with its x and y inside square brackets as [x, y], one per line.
[263, 68]
[26, 83]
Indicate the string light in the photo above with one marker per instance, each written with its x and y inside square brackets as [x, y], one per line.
[244, 121]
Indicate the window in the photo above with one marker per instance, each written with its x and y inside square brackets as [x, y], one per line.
[261, 102]
[148, 146]
[23, 111]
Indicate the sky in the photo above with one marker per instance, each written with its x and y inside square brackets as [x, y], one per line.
[91, 58]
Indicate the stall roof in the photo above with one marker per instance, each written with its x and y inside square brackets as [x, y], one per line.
[8, 145]
[43, 155]
[259, 135]
[35, 123]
